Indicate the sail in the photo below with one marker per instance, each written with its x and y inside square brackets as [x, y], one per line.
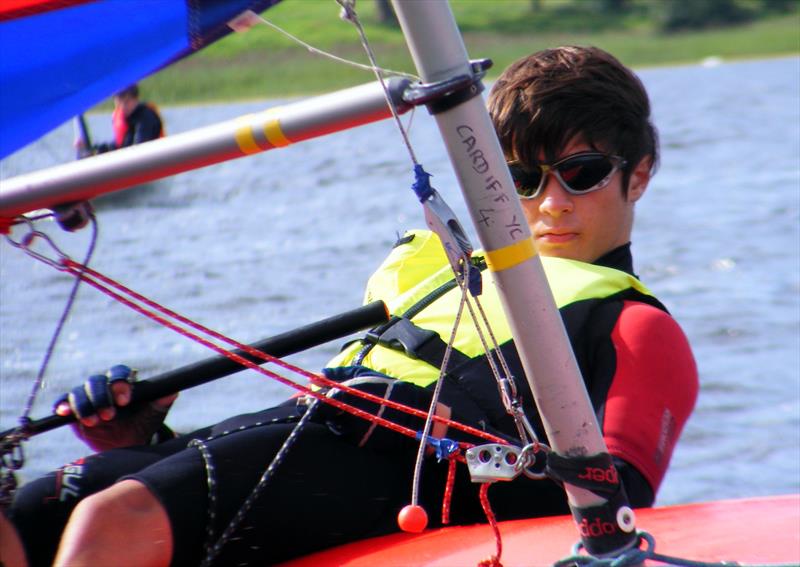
[60, 57]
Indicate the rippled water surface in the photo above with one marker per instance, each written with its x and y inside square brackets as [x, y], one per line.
[259, 245]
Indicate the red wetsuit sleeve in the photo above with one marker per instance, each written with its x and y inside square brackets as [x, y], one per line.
[653, 391]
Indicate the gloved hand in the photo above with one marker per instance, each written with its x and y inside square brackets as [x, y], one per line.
[95, 405]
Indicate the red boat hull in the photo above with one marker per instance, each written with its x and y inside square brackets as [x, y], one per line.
[756, 530]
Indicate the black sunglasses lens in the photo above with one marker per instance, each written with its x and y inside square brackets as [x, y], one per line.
[582, 173]
[525, 182]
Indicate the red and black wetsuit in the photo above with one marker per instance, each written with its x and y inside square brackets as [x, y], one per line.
[640, 375]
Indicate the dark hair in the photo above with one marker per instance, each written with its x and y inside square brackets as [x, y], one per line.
[542, 101]
[129, 91]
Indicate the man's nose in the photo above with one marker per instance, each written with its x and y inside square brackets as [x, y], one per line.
[555, 200]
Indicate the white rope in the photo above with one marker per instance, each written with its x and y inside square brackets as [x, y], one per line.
[435, 398]
[493, 355]
[349, 14]
[526, 432]
[336, 58]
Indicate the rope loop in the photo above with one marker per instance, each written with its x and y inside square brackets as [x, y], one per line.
[26, 242]
[636, 556]
[630, 557]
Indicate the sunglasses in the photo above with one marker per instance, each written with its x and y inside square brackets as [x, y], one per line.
[578, 174]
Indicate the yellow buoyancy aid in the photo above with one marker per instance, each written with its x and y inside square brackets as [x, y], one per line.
[418, 266]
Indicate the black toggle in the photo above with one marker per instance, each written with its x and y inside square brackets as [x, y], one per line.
[73, 216]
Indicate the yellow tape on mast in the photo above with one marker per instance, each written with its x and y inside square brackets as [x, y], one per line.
[274, 134]
[509, 256]
[245, 138]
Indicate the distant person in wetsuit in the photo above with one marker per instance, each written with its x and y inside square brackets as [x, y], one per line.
[133, 120]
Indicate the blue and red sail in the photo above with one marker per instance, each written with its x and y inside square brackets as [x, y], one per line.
[59, 58]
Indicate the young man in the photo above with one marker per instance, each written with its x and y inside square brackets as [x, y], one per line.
[133, 122]
[575, 126]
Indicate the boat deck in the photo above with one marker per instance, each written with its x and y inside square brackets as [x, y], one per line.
[756, 530]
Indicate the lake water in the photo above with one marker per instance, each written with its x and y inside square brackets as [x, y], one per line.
[260, 245]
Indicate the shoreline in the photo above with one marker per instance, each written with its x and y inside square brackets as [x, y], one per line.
[708, 61]
[259, 65]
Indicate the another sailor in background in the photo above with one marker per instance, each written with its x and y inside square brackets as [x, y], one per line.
[575, 127]
[133, 121]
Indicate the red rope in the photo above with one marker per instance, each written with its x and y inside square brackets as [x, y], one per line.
[94, 279]
[493, 560]
[5, 225]
[152, 310]
[448, 490]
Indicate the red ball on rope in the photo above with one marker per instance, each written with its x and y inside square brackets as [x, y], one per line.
[412, 519]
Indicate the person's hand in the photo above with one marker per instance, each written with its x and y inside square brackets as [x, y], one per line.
[95, 405]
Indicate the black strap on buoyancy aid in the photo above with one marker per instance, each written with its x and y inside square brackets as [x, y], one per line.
[402, 334]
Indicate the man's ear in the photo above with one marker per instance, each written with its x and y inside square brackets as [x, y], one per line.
[640, 177]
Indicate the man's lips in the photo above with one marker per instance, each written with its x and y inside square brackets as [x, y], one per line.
[555, 236]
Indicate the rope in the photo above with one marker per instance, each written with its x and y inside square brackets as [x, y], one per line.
[504, 379]
[39, 380]
[434, 402]
[214, 550]
[12, 455]
[211, 481]
[636, 556]
[151, 310]
[349, 13]
[161, 315]
[448, 491]
[331, 56]
[316, 379]
[492, 560]
[524, 428]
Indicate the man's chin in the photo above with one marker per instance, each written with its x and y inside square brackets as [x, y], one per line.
[564, 251]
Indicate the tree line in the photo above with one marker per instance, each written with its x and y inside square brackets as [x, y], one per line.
[667, 15]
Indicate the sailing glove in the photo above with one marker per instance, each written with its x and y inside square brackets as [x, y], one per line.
[95, 394]
[126, 426]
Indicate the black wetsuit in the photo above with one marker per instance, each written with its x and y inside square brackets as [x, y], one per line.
[328, 491]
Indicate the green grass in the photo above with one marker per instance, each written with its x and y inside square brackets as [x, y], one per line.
[262, 63]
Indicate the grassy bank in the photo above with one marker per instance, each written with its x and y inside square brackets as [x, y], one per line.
[262, 63]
